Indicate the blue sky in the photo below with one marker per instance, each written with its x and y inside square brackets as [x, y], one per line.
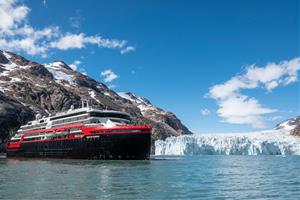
[178, 52]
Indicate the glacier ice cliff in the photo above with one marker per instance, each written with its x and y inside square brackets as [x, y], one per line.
[272, 142]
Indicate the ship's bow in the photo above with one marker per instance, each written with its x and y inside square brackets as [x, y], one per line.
[121, 143]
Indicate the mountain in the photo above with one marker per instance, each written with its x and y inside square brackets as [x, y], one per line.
[28, 88]
[291, 125]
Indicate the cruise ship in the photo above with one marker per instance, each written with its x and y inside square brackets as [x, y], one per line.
[82, 133]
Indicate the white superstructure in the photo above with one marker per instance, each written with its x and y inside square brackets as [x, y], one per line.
[87, 115]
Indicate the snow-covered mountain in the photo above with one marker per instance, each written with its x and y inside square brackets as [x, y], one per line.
[273, 142]
[28, 88]
[142, 103]
[151, 112]
[291, 125]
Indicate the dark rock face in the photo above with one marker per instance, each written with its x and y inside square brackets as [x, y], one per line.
[296, 130]
[40, 71]
[3, 59]
[19, 60]
[12, 115]
[30, 88]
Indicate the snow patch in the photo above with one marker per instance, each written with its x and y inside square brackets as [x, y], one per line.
[57, 65]
[287, 125]
[7, 55]
[273, 142]
[57, 70]
[132, 97]
[107, 94]
[15, 79]
[141, 103]
[144, 108]
[93, 95]
[10, 66]
[124, 95]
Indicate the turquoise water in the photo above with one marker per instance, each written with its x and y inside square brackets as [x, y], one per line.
[198, 177]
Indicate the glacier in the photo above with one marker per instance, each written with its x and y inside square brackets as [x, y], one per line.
[270, 142]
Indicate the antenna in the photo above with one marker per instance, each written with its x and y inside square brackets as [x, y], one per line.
[85, 103]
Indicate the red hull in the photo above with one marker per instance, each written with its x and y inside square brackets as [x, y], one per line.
[120, 142]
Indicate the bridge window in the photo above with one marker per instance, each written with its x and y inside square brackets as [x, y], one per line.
[110, 115]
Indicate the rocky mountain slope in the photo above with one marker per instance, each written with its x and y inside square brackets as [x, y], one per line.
[28, 88]
[292, 125]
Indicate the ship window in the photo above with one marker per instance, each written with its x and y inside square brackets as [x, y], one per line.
[70, 115]
[94, 121]
[14, 140]
[108, 115]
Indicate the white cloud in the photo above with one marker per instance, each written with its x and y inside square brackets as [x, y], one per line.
[78, 41]
[108, 75]
[127, 49]
[16, 34]
[75, 21]
[205, 111]
[69, 41]
[75, 64]
[240, 109]
[11, 16]
[106, 43]
[45, 3]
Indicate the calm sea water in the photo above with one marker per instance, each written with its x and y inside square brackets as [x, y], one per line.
[199, 177]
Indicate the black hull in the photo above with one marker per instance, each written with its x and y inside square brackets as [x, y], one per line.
[107, 147]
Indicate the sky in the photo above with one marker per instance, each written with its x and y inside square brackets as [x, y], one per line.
[220, 66]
